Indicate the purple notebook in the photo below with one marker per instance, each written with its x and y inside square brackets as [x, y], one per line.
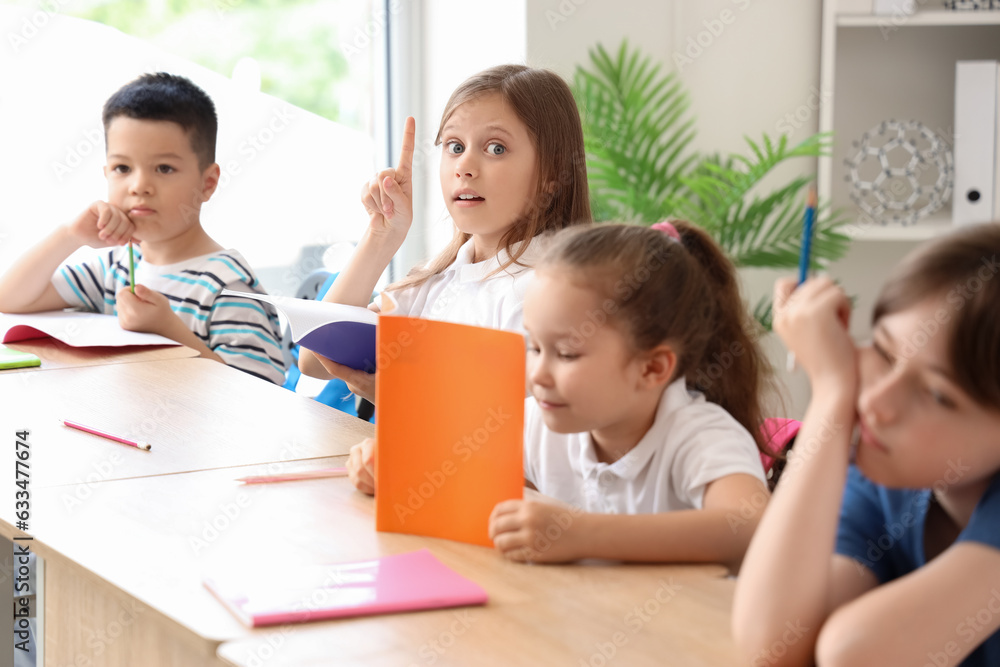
[404, 582]
[345, 334]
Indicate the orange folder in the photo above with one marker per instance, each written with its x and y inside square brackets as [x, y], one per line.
[450, 426]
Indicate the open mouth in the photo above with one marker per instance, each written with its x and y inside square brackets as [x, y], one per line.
[469, 198]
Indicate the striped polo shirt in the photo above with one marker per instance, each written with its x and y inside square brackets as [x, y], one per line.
[245, 333]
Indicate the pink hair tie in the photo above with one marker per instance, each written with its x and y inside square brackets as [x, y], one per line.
[668, 229]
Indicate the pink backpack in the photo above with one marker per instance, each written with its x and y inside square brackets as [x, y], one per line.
[778, 436]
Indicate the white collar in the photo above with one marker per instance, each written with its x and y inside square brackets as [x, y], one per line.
[674, 397]
[474, 272]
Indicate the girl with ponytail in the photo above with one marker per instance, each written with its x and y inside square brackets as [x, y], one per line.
[644, 420]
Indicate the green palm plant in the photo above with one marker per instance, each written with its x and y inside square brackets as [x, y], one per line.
[641, 168]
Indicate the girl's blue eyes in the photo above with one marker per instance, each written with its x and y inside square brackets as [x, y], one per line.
[455, 148]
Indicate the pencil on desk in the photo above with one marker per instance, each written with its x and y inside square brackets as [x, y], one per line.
[805, 252]
[89, 429]
[131, 267]
[295, 476]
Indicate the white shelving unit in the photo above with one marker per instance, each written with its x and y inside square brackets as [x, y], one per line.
[875, 68]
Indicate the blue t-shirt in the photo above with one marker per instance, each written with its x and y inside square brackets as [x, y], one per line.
[883, 529]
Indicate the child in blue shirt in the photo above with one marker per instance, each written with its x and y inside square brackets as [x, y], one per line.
[884, 549]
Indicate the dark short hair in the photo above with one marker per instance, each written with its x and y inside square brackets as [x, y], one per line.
[163, 96]
[961, 270]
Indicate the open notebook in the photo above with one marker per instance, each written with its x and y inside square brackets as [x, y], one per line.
[75, 328]
[345, 334]
[404, 582]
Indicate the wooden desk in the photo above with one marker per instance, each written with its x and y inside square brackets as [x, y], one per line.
[57, 354]
[131, 559]
[197, 414]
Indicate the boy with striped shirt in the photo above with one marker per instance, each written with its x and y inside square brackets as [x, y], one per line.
[160, 132]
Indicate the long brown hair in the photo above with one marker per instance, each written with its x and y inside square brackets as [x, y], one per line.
[544, 103]
[684, 293]
[961, 269]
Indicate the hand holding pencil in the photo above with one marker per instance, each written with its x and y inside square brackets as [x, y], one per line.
[805, 253]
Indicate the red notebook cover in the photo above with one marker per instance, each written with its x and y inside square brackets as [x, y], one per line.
[404, 582]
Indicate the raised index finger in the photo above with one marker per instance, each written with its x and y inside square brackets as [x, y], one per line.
[405, 166]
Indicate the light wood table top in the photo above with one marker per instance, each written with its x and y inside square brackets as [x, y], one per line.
[197, 414]
[57, 354]
[156, 538]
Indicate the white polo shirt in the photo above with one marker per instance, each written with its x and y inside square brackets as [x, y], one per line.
[463, 294]
[692, 442]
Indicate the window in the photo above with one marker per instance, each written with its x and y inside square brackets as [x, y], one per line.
[296, 83]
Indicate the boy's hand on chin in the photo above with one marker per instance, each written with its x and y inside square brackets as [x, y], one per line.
[101, 225]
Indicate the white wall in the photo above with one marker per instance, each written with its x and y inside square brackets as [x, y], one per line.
[749, 67]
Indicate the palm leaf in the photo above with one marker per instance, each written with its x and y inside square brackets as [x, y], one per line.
[636, 134]
[761, 229]
[642, 169]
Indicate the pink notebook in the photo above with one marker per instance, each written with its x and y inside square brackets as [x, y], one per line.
[404, 582]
